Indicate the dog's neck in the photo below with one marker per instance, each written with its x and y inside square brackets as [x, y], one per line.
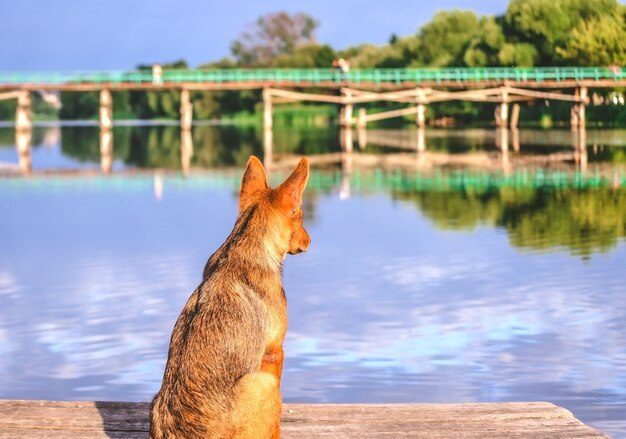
[252, 243]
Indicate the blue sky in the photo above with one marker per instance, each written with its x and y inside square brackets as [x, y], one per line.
[119, 34]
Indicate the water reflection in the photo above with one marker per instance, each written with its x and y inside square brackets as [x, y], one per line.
[424, 283]
[390, 305]
[106, 151]
[23, 145]
[169, 147]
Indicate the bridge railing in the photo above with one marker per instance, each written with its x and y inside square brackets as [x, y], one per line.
[319, 76]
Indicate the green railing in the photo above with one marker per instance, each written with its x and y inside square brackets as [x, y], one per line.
[320, 76]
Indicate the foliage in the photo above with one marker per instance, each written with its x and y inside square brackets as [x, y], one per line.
[599, 41]
[446, 37]
[547, 24]
[273, 35]
[583, 221]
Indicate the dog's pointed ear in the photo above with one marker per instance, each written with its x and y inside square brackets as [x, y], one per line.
[254, 181]
[291, 190]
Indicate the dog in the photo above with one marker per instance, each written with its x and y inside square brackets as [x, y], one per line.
[225, 360]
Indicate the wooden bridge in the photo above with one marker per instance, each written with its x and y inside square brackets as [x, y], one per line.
[415, 87]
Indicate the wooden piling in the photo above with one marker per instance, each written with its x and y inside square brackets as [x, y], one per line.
[186, 151]
[268, 148]
[346, 113]
[361, 135]
[106, 110]
[574, 117]
[346, 140]
[268, 119]
[186, 110]
[515, 115]
[23, 120]
[582, 107]
[106, 151]
[502, 110]
[23, 141]
[361, 118]
[420, 116]
[421, 140]
[515, 139]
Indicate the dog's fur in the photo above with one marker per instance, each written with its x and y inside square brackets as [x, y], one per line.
[222, 378]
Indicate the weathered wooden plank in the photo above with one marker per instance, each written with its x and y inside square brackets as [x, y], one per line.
[96, 420]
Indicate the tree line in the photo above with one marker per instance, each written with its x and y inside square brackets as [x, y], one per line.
[529, 33]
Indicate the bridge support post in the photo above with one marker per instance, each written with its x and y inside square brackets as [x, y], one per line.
[345, 139]
[502, 110]
[106, 110]
[420, 116]
[23, 145]
[186, 110]
[574, 117]
[361, 121]
[579, 144]
[268, 148]
[268, 121]
[421, 139]
[578, 111]
[23, 121]
[186, 151]
[346, 112]
[106, 151]
[582, 107]
[515, 116]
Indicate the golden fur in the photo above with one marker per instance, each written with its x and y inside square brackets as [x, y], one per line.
[225, 361]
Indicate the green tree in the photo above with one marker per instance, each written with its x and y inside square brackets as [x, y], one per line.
[484, 47]
[598, 42]
[518, 55]
[273, 35]
[82, 105]
[446, 37]
[547, 24]
[307, 55]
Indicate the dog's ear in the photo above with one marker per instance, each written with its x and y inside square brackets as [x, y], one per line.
[253, 182]
[290, 192]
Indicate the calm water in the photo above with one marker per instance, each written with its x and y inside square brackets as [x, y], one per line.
[420, 286]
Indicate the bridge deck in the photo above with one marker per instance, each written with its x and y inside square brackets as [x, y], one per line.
[540, 77]
[91, 420]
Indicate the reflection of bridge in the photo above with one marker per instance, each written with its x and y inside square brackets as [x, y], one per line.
[366, 180]
[416, 87]
[408, 151]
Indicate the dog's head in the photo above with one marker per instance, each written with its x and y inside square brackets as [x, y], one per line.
[285, 199]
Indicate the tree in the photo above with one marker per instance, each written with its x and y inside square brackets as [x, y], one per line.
[273, 35]
[484, 47]
[446, 37]
[547, 24]
[518, 54]
[597, 42]
[307, 55]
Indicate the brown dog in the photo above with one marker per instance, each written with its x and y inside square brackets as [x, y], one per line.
[222, 378]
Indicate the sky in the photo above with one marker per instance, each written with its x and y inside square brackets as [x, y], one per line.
[62, 35]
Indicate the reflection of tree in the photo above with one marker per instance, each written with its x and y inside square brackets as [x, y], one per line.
[584, 221]
[213, 146]
[82, 143]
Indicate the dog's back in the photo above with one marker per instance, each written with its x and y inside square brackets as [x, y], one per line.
[222, 377]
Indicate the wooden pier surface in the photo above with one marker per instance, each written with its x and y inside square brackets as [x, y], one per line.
[90, 420]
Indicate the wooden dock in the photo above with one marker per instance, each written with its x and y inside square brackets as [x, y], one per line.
[124, 420]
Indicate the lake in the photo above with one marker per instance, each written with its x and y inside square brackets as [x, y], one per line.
[463, 274]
